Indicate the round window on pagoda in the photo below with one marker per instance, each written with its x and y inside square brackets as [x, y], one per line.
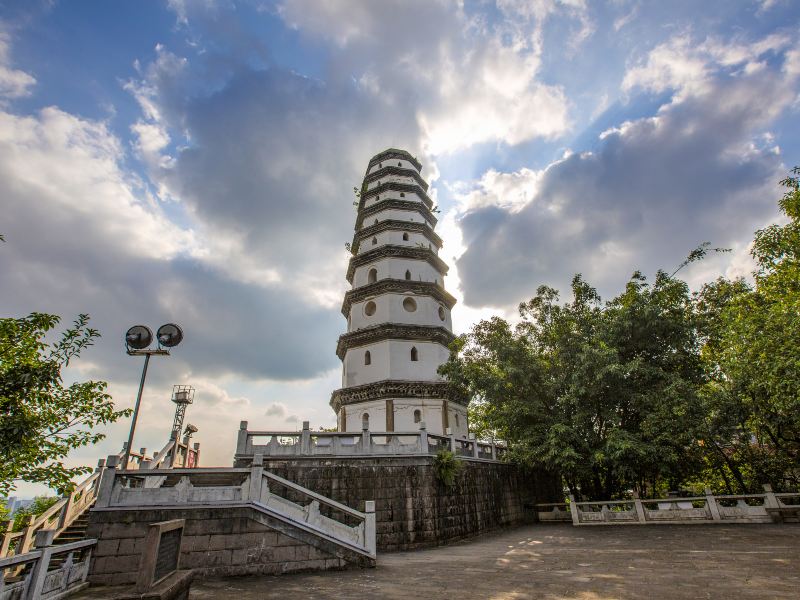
[410, 304]
[370, 308]
[442, 314]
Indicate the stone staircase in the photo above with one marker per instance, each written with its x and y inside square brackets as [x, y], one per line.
[76, 531]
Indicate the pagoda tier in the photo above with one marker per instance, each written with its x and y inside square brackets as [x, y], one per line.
[397, 310]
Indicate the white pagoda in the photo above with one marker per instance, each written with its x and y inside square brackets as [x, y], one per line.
[397, 310]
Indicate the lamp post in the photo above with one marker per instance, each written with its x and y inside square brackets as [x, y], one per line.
[137, 340]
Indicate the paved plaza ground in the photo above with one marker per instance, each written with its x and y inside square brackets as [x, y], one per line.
[561, 562]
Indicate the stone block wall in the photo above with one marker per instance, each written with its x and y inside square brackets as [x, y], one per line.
[216, 542]
[413, 508]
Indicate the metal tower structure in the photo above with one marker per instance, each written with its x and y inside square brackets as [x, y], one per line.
[182, 396]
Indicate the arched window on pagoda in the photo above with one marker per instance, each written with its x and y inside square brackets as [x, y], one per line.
[408, 275]
[367, 358]
[372, 276]
[414, 354]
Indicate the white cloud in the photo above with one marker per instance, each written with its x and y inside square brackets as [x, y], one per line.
[704, 167]
[13, 83]
[687, 67]
[469, 83]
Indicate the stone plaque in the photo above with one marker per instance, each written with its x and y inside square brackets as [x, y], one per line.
[169, 548]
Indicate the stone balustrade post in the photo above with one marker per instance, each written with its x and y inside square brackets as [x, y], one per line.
[711, 502]
[197, 454]
[63, 516]
[423, 438]
[5, 542]
[241, 440]
[106, 485]
[370, 531]
[256, 478]
[305, 439]
[449, 433]
[27, 535]
[471, 436]
[44, 543]
[366, 441]
[637, 504]
[771, 504]
[573, 510]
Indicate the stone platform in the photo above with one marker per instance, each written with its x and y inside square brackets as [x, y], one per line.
[562, 562]
[413, 509]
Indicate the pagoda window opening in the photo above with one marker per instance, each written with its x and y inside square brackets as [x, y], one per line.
[378, 197]
[399, 164]
[365, 421]
[374, 241]
[376, 221]
[402, 194]
[370, 308]
[367, 358]
[441, 313]
[405, 236]
[408, 275]
[417, 416]
[414, 354]
[372, 276]
[410, 304]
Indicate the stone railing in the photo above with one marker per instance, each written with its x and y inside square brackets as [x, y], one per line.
[56, 518]
[744, 508]
[70, 506]
[252, 487]
[307, 443]
[29, 576]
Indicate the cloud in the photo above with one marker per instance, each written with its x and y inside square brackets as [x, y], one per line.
[83, 235]
[654, 189]
[13, 83]
[467, 81]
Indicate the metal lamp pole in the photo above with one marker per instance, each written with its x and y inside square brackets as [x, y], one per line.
[137, 339]
[147, 354]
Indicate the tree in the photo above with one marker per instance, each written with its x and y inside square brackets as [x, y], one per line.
[604, 394]
[753, 358]
[42, 419]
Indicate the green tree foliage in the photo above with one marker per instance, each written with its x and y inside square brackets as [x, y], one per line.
[34, 509]
[605, 394]
[41, 418]
[753, 358]
[656, 388]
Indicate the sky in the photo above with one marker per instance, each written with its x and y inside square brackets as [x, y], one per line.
[193, 161]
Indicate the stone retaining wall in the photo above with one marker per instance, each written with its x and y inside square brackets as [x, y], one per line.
[415, 510]
[216, 542]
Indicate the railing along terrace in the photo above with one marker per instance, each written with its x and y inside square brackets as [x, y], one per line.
[367, 443]
[70, 506]
[741, 508]
[252, 487]
[33, 576]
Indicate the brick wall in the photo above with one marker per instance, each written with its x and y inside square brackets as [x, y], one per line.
[414, 509]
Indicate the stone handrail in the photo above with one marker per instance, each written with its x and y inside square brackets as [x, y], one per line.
[58, 517]
[307, 443]
[739, 508]
[39, 582]
[231, 487]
